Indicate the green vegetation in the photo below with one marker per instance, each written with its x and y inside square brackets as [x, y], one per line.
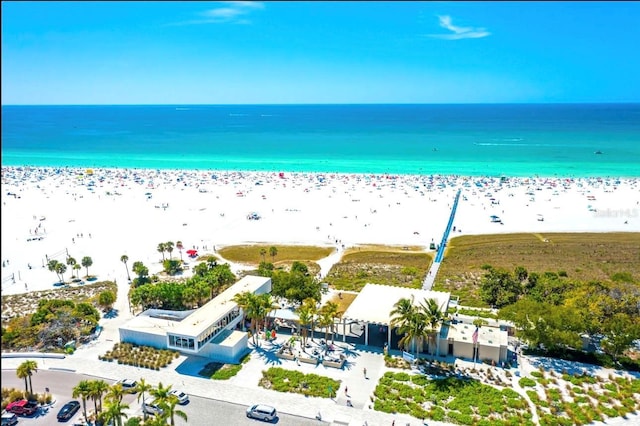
[582, 256]
[461, 401]
[254, 254]
[54, 323]
[209, 279]
[140, 356]
[295, 285]
[580, 399]
[282, 380]
[379, 265]
[219, 371]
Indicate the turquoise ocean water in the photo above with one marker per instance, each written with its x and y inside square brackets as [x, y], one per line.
[566, 140]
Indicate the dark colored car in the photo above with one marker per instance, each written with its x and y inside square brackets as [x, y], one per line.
[68, 410]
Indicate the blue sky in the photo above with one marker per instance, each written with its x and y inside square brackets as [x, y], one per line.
[319, 52]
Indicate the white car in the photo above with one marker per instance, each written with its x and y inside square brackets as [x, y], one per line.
[128, 385]
[183, 398]
[262, 412]
[152, 408]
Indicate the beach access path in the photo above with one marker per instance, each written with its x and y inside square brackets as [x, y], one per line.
[435, 266]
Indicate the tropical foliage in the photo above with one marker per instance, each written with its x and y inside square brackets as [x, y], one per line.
[415, 322]
[209, 280]
[55, 322]
[606, 312]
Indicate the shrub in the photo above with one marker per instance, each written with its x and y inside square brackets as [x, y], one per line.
[526, 382]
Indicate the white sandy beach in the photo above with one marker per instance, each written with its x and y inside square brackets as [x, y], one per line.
[111, 212]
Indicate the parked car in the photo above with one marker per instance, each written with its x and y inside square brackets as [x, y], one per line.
[262, 412]
[183, 398]
[9, 419]
[129, 385]
[68, 410]
[152, 408]
[23, 407]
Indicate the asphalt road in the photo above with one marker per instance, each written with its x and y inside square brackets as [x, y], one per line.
[199, 411]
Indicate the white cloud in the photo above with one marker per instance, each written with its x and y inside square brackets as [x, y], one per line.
[459, 33]
[234, 12]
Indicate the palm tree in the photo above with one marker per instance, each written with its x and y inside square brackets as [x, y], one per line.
[143, 387]
[76, 268]
[325, 320]
[114, 412]
[57, 267]
[161, 249]
[124, 259]
[410, 322]
[179, 246]
[170, 411]
[115, 393]
[305, 316]
[82, 390]
[161, 393]
[311, 304]
[434, 317]
[72, 263]
[248, 302]
[98, 389]
[168, 246]
[25, 371]
[265, 305]
[86, 262]
[273, 252]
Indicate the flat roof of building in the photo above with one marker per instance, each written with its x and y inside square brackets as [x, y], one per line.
[375, 302]
[148, 324]
[216, 308]
[487, 336]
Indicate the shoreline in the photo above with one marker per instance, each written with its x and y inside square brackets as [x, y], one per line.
[485, 175]
[110, 212]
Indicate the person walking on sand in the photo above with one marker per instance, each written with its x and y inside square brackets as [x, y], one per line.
[364, 371]
[346, 391]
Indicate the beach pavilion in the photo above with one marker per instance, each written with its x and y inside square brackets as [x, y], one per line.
[209, 331]
[374, 304]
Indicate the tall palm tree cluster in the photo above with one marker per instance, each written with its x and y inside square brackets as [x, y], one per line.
[416, 323]
[256, 308]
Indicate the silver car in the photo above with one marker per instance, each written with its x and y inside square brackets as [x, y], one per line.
[262, 412]
[183, 398]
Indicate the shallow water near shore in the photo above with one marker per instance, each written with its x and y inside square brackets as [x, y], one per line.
[564, 140]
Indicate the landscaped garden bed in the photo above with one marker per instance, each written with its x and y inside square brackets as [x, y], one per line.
[220, 371]
[580, 399]
[456, 400]
[140, 356]
[282, 380]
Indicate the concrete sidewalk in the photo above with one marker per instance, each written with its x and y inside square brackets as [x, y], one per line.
[244, 388]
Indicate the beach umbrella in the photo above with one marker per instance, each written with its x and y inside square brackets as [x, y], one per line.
[192, 252]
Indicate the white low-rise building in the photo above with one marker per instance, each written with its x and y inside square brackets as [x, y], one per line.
[209, 331]
[374, 304]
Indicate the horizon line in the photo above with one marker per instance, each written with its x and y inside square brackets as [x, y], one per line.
[334, 104]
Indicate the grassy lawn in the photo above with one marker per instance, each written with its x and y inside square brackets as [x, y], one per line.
[380, 265]
[250, 254]
[584, 256]
[343, 302]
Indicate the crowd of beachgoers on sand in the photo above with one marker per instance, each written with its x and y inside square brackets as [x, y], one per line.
[105, 213]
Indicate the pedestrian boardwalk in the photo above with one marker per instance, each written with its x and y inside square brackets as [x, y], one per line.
[435, 266]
